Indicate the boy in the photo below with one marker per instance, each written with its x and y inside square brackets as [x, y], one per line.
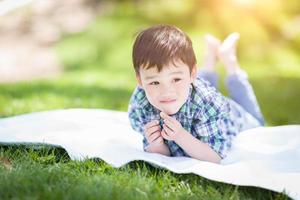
[179, 111]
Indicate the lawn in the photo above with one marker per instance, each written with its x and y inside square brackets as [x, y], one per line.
[98, 74]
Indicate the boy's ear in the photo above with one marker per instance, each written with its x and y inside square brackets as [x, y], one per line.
[194, 73]
[138, 78]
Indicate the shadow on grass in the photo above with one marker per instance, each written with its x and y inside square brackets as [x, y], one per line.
[49, 154]
[244, 192]
[279, 98]
[50, 96]
[45, 152]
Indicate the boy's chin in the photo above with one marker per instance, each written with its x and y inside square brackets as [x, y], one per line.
[170, 111]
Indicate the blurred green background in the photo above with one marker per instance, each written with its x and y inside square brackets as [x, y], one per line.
[97, 63]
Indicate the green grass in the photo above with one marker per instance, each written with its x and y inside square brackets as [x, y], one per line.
[41, 174]
[98, 74]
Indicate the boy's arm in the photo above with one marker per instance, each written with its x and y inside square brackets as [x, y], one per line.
[172, 130]
[196, 148]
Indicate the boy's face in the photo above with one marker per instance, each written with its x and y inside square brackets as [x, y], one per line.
[168, 89]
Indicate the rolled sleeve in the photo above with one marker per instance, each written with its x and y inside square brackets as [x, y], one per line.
[137, 122]
[214, 134]
[213, 126]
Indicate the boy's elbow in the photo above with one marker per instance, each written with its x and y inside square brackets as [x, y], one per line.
[217, 160]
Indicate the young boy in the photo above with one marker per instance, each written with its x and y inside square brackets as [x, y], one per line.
[177, 109]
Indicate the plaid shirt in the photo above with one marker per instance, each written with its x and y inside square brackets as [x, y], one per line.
[207, 115]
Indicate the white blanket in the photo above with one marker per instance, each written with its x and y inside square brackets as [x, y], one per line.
[263, 157]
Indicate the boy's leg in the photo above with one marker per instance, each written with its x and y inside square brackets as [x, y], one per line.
[207, 72]
[241, 91]
[209, 76]
[237, 82]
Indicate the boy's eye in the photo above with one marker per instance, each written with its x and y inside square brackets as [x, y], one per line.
[177, 80]
[154, 83]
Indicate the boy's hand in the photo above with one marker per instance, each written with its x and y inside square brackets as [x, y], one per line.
[153, 133]
[172, 129]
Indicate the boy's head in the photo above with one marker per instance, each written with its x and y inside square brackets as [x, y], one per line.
[165, 66]
[159, 45]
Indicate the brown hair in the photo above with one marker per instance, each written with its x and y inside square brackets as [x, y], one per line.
[159, 45]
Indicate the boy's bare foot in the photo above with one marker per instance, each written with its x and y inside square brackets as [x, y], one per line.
[227, 53]
[210, 58]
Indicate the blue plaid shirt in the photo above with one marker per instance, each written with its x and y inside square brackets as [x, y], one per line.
[207, 115]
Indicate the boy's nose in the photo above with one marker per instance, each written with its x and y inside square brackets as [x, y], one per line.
[166, 90]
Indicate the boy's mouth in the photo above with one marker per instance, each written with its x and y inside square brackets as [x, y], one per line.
[168, 101]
